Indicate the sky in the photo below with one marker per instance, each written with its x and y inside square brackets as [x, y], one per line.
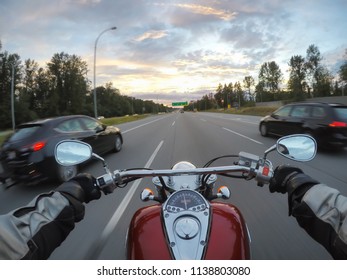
[174, 50]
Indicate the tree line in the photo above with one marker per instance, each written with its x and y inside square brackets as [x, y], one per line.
[308, 78]
[60, 88]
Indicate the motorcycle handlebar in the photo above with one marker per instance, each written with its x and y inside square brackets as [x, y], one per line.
[261, 173]
[295, 147]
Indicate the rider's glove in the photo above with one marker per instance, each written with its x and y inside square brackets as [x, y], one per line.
[287, 178]
[83, 187]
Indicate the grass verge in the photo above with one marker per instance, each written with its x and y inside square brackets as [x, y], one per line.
[124, 119]
[253, 111]
[4, 135]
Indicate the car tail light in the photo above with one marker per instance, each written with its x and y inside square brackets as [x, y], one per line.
[38, 146]
[338, 124]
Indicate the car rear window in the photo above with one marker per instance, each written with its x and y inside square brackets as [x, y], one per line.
[341, 113]
[24, 132]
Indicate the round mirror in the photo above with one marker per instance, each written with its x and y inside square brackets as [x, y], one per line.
[297, 147]
[71, 152]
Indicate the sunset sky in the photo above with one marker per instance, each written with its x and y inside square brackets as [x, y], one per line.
[175, 50]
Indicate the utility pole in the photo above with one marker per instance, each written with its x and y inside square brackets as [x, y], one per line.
[12, 99]
[94, 91]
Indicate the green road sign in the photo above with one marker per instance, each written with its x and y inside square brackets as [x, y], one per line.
[180, 103]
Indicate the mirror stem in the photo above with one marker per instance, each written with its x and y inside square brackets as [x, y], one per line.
[104, 164]
[272, 148]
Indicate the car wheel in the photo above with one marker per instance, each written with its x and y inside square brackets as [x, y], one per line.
[65, 173]
[263, 129]
[117, 144]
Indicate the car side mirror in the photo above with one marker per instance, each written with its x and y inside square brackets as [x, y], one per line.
[100, 128]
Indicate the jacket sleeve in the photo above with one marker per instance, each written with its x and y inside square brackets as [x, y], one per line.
[322, 212]
[34, 231]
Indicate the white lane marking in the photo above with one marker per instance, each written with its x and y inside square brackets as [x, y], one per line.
[112, 223]
[260, 143]
[173, 123]
[125, 202]
[203, 120]
[130, 129]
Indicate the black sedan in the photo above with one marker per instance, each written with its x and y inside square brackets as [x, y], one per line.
[327, 123]
[28, 155]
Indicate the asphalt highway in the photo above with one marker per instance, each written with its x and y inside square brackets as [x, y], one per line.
[159, 142]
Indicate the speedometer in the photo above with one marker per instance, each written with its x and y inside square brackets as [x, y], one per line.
[186, 200]
[187, 219]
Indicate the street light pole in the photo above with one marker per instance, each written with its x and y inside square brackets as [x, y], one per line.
[96, 42]
[12, 99]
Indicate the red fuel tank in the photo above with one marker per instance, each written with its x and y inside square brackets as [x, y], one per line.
[228, 235]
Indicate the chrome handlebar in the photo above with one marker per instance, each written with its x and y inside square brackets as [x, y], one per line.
[295, 147]
[249, 165]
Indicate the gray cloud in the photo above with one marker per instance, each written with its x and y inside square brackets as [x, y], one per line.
[187, 44]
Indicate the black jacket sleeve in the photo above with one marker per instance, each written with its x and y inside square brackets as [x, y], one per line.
[34, 231]
[322, 212]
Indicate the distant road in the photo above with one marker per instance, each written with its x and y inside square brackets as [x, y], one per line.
[160, 142]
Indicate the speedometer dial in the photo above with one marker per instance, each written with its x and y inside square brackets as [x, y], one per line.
[185, 200]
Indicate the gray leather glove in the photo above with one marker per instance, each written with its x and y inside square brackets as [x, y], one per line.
[287, 178]
[83, 187]
[282, 174]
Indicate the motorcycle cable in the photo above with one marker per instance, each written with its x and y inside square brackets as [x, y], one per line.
[126, 181]
[235, 176]
[162, 194]
[207, 164]
[205, 178]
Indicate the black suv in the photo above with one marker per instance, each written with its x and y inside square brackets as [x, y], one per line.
[327, 123]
